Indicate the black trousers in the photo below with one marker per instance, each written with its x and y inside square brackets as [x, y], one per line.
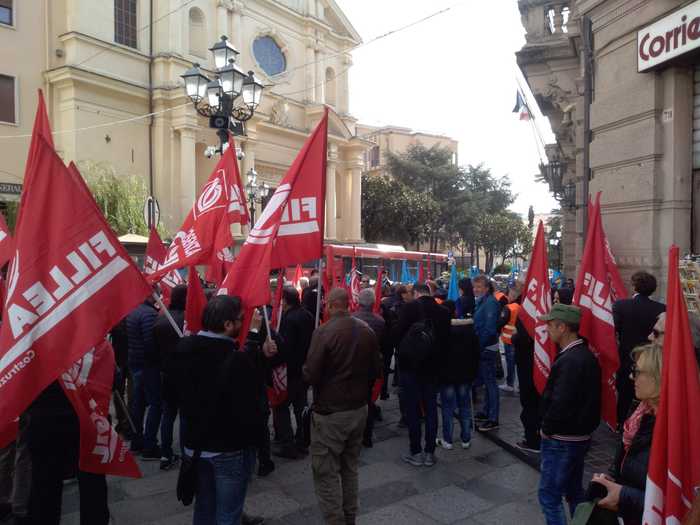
[388, 354]
[297, 400]
[529, 397]
[54, 444]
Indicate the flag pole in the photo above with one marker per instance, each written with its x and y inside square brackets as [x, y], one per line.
[167, 314]
[267, 323]
[318, 292]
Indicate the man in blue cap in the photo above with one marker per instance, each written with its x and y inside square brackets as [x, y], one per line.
[570, 414]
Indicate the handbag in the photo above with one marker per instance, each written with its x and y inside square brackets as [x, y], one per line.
[187, 476]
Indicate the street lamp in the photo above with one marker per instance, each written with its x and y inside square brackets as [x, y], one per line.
[230, 99]
[570, 196]
[256, 192]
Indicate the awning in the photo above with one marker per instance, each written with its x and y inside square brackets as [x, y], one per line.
[342, 250]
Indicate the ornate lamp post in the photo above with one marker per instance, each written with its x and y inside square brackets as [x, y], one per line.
[569, 200]
[256, 192]
[230, 99]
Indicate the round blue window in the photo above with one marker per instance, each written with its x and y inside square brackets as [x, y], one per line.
[269, 55]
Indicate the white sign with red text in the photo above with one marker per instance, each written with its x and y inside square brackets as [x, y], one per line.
[670, 37]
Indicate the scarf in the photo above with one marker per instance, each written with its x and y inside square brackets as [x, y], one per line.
[631, 426]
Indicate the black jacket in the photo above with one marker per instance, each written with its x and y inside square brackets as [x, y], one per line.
[634, 320]
[296, 328]
[139, 329]
[461, 361]
[630, 470]
[426, 308]
[219, 391]
[378, 326]
[571, 398]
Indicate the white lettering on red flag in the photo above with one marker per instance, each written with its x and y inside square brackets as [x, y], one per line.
[537, 301]
[673, 478]
[88, 386]
[70, 282]
[289, 231]
[599, 286]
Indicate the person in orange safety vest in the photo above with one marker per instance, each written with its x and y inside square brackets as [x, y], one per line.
[511, 311]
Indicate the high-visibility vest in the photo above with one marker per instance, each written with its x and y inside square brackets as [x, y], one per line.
[499, 295]
[509, 329]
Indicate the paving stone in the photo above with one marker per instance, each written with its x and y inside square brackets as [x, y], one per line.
[383, 495]
[163, 482]
[380, 473]
[271, 504]
[518, 477]
[448, 504]
[496, 494]
[308, 516]
[393, 515]
[516, 512]
[468, 468]
[497, 459]
[181, 519]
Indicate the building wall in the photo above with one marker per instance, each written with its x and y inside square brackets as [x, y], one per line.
[641, 128]
[89, 80]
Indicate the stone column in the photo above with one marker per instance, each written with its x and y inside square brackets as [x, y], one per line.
[330, 192]
[355, 230]
[188, 170]
[237, 25]
[320, 78]
[221, 20]
[310, 71]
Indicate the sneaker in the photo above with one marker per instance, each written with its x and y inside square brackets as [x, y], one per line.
[466, 444]
[526, 447]
[443, 444]
[166, 463]
[249, 519]
[480, 416]
[429, 459]
[506, 388]
[489, 425]
[152, 454]
[417, 460]
[265, 469]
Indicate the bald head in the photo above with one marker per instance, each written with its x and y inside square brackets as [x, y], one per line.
[338, 300]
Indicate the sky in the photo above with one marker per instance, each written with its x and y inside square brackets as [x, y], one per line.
[454, 74]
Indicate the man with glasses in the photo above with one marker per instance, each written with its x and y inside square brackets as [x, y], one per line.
[634, 320]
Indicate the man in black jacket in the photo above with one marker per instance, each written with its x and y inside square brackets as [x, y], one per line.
[296, 328]
[634, 320]
[166, 339]
[144, 370]
[219, 393]
[570, 414]
[419, 383]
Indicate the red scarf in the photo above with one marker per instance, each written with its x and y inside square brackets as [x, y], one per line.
[631, 426]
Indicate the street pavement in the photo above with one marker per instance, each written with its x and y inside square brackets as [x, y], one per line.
[483, 485]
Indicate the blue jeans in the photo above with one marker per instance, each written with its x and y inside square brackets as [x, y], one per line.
[222, 482]
[416, 392]
[451, 397]
[146, 385]
[510, 364]
[561, 476]
[487, 373]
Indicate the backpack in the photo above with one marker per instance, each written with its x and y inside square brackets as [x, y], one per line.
[417, 345]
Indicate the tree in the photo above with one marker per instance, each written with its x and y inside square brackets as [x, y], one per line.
[503, 234]
[531, 217]
[393, 212]
[553, 239]
[119, 197]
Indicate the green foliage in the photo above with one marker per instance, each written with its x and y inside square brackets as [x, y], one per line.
[502, 268]
[10, 213]
[554, 225]
[120, 197]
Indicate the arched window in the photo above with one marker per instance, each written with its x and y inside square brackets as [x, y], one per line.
[330, 87]
[198, 33]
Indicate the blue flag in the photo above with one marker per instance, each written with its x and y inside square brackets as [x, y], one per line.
[405, 276]
[453, 291]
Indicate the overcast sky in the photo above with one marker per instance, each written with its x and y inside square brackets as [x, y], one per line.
[455, 75]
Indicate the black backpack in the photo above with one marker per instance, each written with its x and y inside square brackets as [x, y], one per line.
[417, 345]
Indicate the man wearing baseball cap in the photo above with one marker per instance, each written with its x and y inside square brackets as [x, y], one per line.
[570, 414]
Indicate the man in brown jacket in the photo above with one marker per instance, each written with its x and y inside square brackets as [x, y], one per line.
[343, 358]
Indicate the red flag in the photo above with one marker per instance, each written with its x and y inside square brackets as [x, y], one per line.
[219, 266]
[673, 479]
[195, 304]
[354, 284]
[378, 291]
[290, 228]
[421, 272]
[155, 254]
[206, 229]
[88, 386]
[536, 301]
[70, 280]
[599, 285]
[277, 301]
[298, 274]
[6, 242]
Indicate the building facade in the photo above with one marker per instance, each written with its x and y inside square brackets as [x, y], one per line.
[103, 62]
[396, 140]
[639, 143]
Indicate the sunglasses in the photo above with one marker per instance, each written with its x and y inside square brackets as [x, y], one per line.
[657, 333]
[635, 372]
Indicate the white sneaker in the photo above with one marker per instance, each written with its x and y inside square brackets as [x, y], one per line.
[444, 444]
[466, 445]
[506, 388]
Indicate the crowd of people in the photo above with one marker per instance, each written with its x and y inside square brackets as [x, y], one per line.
[439, 353]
